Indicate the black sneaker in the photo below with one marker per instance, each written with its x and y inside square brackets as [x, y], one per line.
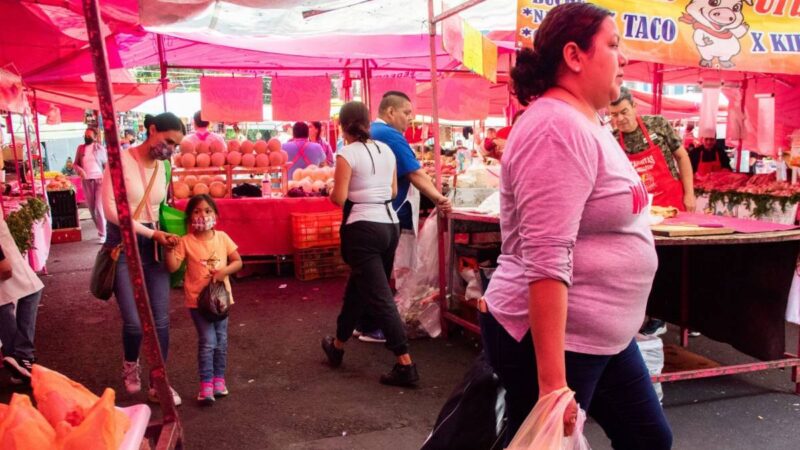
[20, 368]
[401, 375]
[334, 354]
[654, 327]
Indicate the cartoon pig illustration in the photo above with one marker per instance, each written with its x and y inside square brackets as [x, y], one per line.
[718, 26]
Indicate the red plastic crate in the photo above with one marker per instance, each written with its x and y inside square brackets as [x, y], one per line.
[320, 262]
[64, 235]
[311, 230]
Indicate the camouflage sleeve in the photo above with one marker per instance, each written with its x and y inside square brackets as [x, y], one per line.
[670, 136]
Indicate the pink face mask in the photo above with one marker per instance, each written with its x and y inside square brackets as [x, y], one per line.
[204, 223]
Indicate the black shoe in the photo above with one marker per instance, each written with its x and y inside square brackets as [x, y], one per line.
[654, 327]
[20, 368]
[334, 354]
[401, 375]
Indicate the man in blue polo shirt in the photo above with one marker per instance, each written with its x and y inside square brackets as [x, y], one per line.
[394, 117]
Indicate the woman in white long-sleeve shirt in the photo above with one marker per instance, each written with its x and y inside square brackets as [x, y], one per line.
[139, 164]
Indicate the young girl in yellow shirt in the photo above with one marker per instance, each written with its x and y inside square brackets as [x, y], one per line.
[210, 255]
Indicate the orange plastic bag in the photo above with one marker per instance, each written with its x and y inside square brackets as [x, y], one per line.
[543, 429]
[23, 427]
[99, 430]
[62, 399]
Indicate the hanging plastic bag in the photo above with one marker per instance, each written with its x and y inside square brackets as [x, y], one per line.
[214, 302]
[543, 429]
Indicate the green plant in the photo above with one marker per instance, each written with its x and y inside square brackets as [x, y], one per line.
[20, 222]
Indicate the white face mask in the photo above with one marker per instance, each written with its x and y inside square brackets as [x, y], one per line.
[204, 223]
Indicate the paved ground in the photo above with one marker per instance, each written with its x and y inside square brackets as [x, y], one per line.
[284, 397]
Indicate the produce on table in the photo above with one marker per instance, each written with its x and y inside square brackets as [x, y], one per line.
[274, 145]
[217, 147]
[203, 160]
[233, 145]
[60, 183]
[217, 189]
[246, 147]
[176, 160]
[190, 180]
[188, 160]
[187, 146]
[249, 160]
[181, 190]
[262, 160]
[275, 158]
[200, 188]
[205, 179]
[261, 146]
[234, 158]
[202, 147]
[218, 159]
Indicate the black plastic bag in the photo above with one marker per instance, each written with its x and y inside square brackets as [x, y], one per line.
[214, 302]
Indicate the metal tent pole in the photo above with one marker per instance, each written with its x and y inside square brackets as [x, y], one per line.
[29, 165]
[162, 63]
[171, 435]
[10, 124]
[39, 143]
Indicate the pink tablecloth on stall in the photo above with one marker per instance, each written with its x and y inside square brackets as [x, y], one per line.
[739, 225]
[263, 226]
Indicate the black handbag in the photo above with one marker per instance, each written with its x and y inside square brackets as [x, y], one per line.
[104, 271]
[214, 302]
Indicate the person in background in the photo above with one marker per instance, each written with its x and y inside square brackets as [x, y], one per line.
[395, 115]
[143, 166]
[365, 185]
[490, 148]
[128, 139]
[20, 293]
[210, 255]
[315, 135]
[712, 156]
[302, 153]
[689, 142]
[656, 152]
[578, 257]
[142, 134]
[201, 133]
[69, 168]
[90, 162]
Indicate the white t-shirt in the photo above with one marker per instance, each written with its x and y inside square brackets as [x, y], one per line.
[89, 163]
[373, 167]
[23, 281]
[135, 187]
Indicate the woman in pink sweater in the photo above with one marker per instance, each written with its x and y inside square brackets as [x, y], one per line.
[578, 257]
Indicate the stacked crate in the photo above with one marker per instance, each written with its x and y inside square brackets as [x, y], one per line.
[315, 238]
[64, 213]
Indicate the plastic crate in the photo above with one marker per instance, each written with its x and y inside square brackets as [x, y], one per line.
[311, 230]
[60, 222]
[66, 235]
[62, 203]
[321, 262]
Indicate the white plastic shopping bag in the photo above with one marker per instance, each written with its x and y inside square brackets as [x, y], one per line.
[543, 429]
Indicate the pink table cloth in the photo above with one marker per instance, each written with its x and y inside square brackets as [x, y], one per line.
[739, 225]
[263, 226]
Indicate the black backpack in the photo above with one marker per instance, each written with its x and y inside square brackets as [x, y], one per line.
[473, 416]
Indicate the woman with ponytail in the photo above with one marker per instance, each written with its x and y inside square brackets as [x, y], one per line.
[365, 183]
[578, 257]
[143, 168]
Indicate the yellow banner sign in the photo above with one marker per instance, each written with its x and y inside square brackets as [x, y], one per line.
[466, 44]
[744, 35]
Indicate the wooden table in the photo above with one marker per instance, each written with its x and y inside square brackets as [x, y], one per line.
[732, 288]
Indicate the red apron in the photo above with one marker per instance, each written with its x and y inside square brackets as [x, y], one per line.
[704, 168]
[301, 153]
[656, 176]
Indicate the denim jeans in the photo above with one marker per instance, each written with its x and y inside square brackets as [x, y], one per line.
[156, 279]
[368, 248]
[614, 389]
[212, 346]
[18, 328]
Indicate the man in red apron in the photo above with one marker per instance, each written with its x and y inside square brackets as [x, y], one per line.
[302, 153]
[656, 152]
[712, 157]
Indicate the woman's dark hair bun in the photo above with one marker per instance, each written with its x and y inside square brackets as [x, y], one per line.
[354, 119]
[358, 131]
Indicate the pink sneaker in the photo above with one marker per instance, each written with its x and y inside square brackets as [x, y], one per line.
[220, 390]
[206, 395]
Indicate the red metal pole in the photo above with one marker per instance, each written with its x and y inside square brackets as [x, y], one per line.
[437, 160]
[39, 143]
[162, 63]
[739, 150]
[28, 152]
[171, 432]
[10, 124]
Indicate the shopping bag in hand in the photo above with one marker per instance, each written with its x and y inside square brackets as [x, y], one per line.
[214, 302]
[543, 429]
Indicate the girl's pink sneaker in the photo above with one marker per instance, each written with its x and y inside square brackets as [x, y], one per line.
[206, 395]
[220, 390]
